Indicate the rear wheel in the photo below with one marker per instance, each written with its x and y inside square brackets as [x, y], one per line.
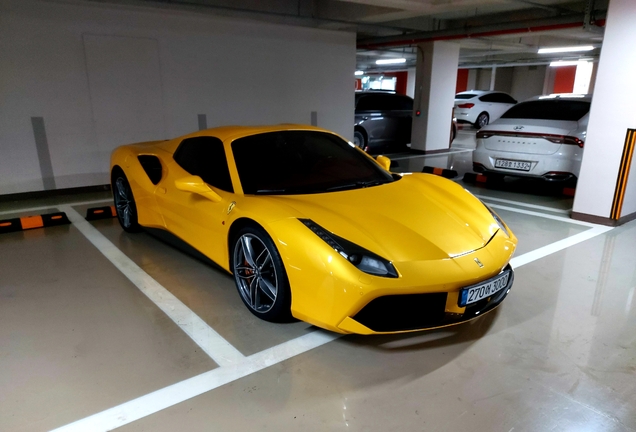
[482, 120]
[260, 276]
[124, 202]
[358, 140]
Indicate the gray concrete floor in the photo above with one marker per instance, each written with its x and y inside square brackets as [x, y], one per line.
[78, 338]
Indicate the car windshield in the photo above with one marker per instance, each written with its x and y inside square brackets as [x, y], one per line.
[549, 109]
[302, 162]
[465, 96]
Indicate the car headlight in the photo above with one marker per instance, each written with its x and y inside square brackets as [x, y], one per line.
[495, 216]
[363, 259]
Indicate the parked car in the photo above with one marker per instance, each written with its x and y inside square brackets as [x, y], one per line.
[312, 227]
[481, 107]
[542, 137]
[382, 121]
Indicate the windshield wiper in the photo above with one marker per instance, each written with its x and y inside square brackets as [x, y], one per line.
[357, 185]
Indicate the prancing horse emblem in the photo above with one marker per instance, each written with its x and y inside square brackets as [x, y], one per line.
[479, 263]
[231, 207]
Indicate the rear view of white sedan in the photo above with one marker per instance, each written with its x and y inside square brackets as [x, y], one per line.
[480, 107]
[542, 138]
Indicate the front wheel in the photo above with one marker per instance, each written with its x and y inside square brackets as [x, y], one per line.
[124, 202]
[260, 276]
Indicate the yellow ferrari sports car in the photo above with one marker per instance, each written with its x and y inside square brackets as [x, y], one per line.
[312, 227]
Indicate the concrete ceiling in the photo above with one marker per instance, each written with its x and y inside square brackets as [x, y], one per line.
[490, 32]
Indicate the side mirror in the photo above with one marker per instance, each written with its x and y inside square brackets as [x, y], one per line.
[384, 162]
[196, 185]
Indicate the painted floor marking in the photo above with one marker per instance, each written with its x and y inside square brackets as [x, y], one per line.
[169, 396]
[545, 216]
[522, 204]
[166, 397]
[54, 206]
[212, 343]
[431, 155]
[558, 246]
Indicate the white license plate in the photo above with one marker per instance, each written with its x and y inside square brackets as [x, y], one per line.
[478, 292]
[513, 165]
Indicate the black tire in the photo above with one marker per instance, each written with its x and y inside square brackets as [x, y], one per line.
[260, 276]
[359, 140]
[453, 133]
[124, 202]
[482, 120]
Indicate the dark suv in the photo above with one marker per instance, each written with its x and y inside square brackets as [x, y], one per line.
[383, 121]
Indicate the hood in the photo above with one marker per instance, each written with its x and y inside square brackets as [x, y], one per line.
[418, 217]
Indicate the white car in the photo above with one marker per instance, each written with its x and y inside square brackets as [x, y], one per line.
[542, 137]
[481, 107]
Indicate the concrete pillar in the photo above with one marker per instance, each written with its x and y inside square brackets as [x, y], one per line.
[410, 82]
[436, 77]
[606, 192]
[493, 77]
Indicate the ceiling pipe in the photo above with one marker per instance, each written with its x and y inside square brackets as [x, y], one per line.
[483, 31]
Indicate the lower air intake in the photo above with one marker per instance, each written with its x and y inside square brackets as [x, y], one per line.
[403, 312]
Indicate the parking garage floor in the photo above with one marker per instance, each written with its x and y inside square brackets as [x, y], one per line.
[101, 330]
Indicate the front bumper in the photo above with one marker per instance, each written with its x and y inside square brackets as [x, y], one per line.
[412, 312]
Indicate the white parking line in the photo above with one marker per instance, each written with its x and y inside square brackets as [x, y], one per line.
[220, 350]
[55, 206]
[415, 156]
[521, 204]
[166, 397]
[545, 216]
[544, 251]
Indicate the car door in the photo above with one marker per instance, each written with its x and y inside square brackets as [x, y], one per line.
[192, 217]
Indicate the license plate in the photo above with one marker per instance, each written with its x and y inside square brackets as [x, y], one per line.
[478, 292]
[512, 164]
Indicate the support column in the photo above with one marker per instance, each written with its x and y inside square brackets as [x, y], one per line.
[606, 192]
[436, 77]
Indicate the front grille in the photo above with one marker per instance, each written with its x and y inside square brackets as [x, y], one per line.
[403, 312]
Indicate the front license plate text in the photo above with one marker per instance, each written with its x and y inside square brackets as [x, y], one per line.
[478, 292]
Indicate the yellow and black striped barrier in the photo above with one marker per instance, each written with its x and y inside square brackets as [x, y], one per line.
[32, 222]
[106, 212]
[623, 174]
[446, 173]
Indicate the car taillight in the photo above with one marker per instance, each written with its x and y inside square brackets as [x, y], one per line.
[466, 105]
[484, 134]
[573, 141]
[557, 139]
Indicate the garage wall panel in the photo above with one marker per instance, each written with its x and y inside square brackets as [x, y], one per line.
[102, 75]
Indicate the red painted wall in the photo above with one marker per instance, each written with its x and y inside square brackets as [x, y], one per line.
[564, 79]
[462, 80]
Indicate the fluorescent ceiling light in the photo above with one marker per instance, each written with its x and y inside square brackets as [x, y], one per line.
[565, 63]
[390, 61]
[359, 73]
[565, 49]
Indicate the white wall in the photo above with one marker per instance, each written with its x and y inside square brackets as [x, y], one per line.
[527, 81]
[611, 114]
[103, 75]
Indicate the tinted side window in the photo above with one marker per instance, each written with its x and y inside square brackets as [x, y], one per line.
[205, 157]
[507, 98]
[554, 109]
[465, 96]
[384, 102]
[489, 98]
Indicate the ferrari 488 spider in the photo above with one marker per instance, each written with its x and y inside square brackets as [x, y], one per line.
[312, 227]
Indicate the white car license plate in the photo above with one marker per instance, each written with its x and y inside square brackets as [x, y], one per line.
[478, 292]
[512, 164]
